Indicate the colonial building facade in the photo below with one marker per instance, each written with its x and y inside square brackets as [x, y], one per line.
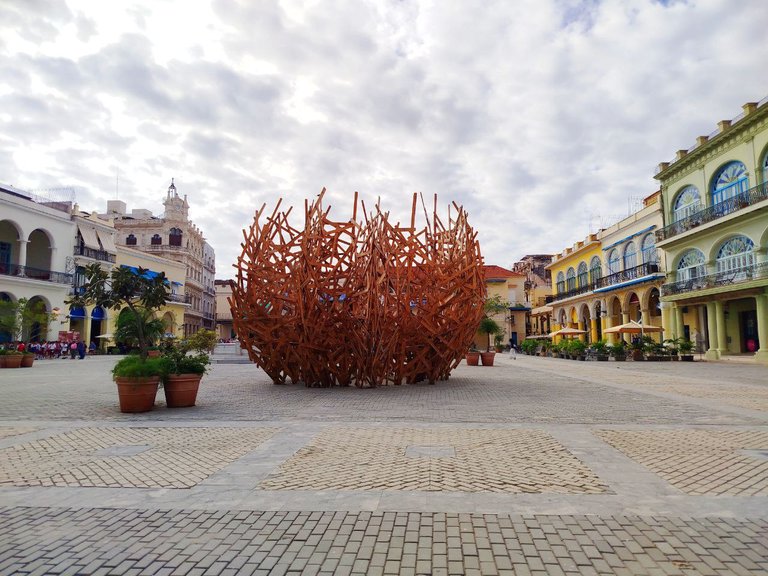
[35, 251]
[611, 277]
[175, 237]
[715, 204]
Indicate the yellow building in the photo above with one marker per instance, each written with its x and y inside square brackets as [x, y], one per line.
[224, 330]
[611, 277]
[575, 272]
[715, 202]
[508, 285]
[172, 313]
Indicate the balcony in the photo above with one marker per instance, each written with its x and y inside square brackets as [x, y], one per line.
[95, 254]
[574, 291]
[162, 248]
[182, 298]
[35, 273]
[731, 277]
[719, 210]
[628, 275]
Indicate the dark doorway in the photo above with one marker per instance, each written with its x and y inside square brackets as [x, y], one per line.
[749, 341]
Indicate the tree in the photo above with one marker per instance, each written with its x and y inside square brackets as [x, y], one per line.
[493, 306]
[139, 290]
[17, 319]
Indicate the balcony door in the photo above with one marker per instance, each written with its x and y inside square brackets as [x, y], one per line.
[730, 181]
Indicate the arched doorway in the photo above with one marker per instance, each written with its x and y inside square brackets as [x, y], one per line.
[77, 318]
[587, 319]
[169, 321]
[598, 316]
[633, 307]
[98, 316]
[7, 311]
[35, 320]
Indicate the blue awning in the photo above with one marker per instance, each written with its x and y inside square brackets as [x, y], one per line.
[76, 312]
[148, 274]
[97, 313]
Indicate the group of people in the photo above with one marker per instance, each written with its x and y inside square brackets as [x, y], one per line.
[54, 349]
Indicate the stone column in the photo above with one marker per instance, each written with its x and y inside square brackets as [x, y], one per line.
[668, 319]
[593, 329]
[23, 254]
[722, 344]
[712, 353]
[645, 318]
[679, 322]
[762, 328]
[580, 326]
[608, 323]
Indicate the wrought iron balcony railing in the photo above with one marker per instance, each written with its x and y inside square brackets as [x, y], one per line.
[739, 276]
[574, 291]
[644, 269]
[183, 298]
[95, 254]
[733, 204]
[35, 273]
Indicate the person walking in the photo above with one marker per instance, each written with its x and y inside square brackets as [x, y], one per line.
[81, 349]
[73, 350]
[512, 349]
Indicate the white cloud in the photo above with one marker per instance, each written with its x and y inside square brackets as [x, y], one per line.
[533, 114]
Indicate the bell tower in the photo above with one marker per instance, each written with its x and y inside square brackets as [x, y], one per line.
[176, 208]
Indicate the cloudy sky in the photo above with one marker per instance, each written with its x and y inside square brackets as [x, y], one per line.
[544, 118]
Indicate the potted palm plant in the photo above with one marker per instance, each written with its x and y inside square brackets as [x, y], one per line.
[140, 294]
[686, 347]
[601, 350]
[488, 326]
[618, 351]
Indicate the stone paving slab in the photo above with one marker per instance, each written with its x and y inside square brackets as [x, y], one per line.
[697, 462]
[442, 460]
[122, 542]
[127, 457]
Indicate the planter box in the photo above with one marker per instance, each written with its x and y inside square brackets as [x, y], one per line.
[487, 358]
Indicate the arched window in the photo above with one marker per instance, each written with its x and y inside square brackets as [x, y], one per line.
[130, 240]
[687, 202]
[765, 168]
[174, 237]
[583, 275]
[630, 256]
[649, 249]
[570, 278]
[156, 240]
[735, 254]
[613, 261]
[595, 269]
[731, 180]
[560, 283]
[691, 266]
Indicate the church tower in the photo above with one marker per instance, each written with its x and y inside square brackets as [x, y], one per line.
[176, 209]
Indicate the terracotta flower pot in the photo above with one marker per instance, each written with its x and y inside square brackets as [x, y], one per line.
[181, 390]
[13, 360]
[473, 358]
[137, 394]
[487, 358]
[27, 360]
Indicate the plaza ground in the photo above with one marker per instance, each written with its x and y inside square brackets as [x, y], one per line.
[536, 465]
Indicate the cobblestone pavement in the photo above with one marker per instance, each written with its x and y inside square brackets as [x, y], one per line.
[700, 461]
[536, 466]
[452, 460]
[116, 542]
[127, 457]
[531, 389]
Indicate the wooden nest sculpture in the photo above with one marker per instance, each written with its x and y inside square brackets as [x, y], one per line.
[358, 303]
